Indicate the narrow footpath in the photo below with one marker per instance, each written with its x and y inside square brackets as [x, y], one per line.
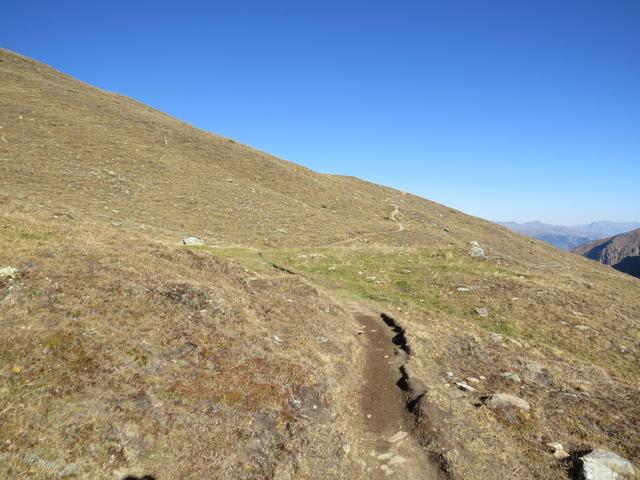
[394, 447]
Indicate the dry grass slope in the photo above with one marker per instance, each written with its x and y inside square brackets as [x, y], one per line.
[125, 353]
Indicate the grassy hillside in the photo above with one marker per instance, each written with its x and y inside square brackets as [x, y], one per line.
[124, 352]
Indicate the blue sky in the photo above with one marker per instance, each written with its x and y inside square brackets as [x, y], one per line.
[509, 110]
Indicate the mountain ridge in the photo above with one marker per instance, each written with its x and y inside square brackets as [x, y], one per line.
[569, 237]
[622, 252]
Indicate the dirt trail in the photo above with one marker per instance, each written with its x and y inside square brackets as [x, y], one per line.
[383, 403]
[393, 216]
[388, 429]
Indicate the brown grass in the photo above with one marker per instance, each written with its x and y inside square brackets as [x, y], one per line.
[123, 352]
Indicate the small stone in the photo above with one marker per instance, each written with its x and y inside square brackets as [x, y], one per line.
[346, 448]
[8, 272]
[473, 380]
[498, 399]
[511, 376]
[558, 450]
[449, 374]
[465, 386]
[322, 339]
[368, 415]
[475, 250]
[397, 437]
[511, 408]
[463, 289]
[582, 327]
[385, 456]
[533, 371]
[16, 369]
[397, 460]
[495, 338]
[277, 339]
[482, 312]
[192, 241]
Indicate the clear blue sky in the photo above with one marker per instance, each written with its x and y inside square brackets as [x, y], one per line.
[509, 110]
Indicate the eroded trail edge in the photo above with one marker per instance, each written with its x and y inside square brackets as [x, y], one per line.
[393, 401]
[393, 404]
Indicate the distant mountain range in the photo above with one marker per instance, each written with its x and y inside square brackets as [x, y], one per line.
[568, 238]
[622, 252]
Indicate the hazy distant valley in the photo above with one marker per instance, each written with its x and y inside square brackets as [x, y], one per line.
[568, 238]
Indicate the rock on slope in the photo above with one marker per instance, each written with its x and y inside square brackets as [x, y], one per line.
[622, 252]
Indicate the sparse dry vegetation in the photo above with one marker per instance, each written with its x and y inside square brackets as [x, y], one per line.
[124, 352]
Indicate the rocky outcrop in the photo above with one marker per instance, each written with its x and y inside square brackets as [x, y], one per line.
[622, 252]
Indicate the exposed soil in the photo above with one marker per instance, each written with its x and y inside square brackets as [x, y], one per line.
[382, 400]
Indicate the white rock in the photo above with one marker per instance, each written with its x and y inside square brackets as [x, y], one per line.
[482, 312]
[192, 241]
[396, 460]
[397, 437]
[465, 386]
[603, 464]
[463, 289]
[475, 250]
[385, 456]
[8, 272]
[558, 450]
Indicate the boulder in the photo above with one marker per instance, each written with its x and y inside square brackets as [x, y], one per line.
[482, 312]
[603, 464]
[475, 250]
